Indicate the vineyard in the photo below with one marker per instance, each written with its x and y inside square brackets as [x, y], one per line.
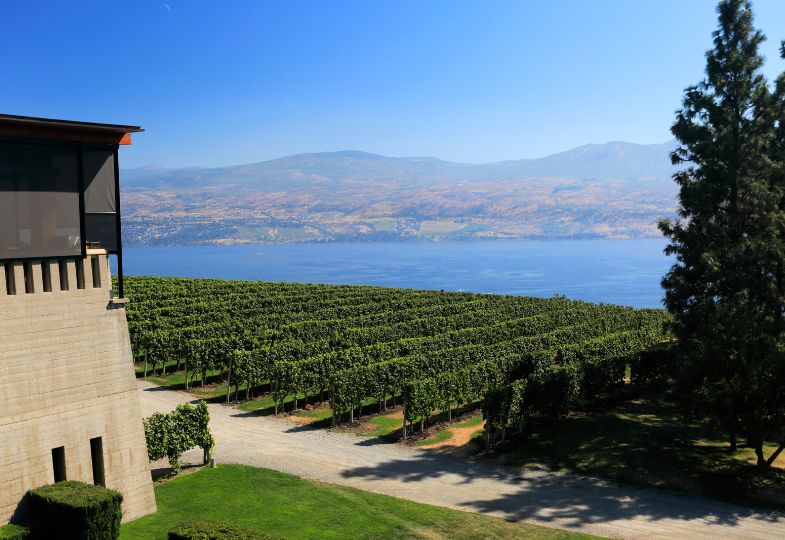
[357, 346]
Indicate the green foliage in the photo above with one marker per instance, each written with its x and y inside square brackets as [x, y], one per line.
[75, 511]
[727, 287]
[548, 393]
[553, 392]
[170, 435]
[654, 367]
[357, 344]
[580, 373]
[204, 529]
[14, 532]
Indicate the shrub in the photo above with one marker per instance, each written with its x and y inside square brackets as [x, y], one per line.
[169, 435]
[14, 532]
[551, 393]
[654, 366]
[75, 510]
[204, 529]
[601, 375]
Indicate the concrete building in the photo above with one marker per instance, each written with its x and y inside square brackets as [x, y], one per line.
[69, 407]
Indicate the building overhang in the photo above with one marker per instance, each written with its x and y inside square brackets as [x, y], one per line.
[49, 129]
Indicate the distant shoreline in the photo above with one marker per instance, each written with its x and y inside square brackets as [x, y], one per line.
[415, 240]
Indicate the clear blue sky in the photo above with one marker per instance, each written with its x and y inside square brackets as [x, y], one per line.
[227, 82]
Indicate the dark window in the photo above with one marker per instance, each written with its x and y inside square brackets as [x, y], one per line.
[10, 282]
[80, 273]
[100, 198]
[97, 456]
[63, 275]
[101, 230]
[28, 270]
[96, 267]
[58, 463]
[46, 274]
[39, 201]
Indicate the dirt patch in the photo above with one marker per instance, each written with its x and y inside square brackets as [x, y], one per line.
[459, 443]
[301, 420]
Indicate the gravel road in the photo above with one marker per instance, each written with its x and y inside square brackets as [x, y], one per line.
[576, 503]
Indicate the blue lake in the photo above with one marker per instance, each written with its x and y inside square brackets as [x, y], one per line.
[626, 272]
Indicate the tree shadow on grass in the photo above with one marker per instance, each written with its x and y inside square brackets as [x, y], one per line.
[552, 497]
[644, 444]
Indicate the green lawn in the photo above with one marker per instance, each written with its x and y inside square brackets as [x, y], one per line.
[471, 422]
[215, 389]
[320, 414]
[440, 436]
[285, 506]
[176, 380]
[643, 442]
[266, 405]
[383, 426]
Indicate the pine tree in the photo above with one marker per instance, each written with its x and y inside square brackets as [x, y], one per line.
[727, 287]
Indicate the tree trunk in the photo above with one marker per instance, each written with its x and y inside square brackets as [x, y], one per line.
[733, 444]
[145, 365]
[204, 376]
[404, 418]
[351, 415]
[762, 465]
[229, 382]
[332, 400]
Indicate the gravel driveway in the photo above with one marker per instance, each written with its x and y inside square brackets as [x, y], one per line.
[576, 503]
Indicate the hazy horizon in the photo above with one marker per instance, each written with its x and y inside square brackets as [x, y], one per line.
[216, 84]
[361, 151]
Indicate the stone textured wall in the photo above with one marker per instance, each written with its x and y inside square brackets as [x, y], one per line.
[66, 376]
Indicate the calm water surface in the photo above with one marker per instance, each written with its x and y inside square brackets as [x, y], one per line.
[624, 272]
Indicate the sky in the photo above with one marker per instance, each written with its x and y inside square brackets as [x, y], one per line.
[228, 82]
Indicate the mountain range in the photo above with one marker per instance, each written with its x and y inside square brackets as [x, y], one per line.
[616, 190]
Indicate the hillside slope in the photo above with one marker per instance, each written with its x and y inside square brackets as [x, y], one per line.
[615, 189]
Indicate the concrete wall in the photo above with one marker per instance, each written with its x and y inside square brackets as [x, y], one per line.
[66, 376]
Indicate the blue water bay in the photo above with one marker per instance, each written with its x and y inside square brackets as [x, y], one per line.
[626, 272]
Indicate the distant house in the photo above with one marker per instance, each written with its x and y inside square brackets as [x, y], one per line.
[69, 407]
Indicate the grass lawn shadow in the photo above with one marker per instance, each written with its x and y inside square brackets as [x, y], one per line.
[643, 443]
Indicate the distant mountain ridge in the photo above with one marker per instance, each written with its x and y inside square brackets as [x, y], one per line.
[592, 161]
[615, 189]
